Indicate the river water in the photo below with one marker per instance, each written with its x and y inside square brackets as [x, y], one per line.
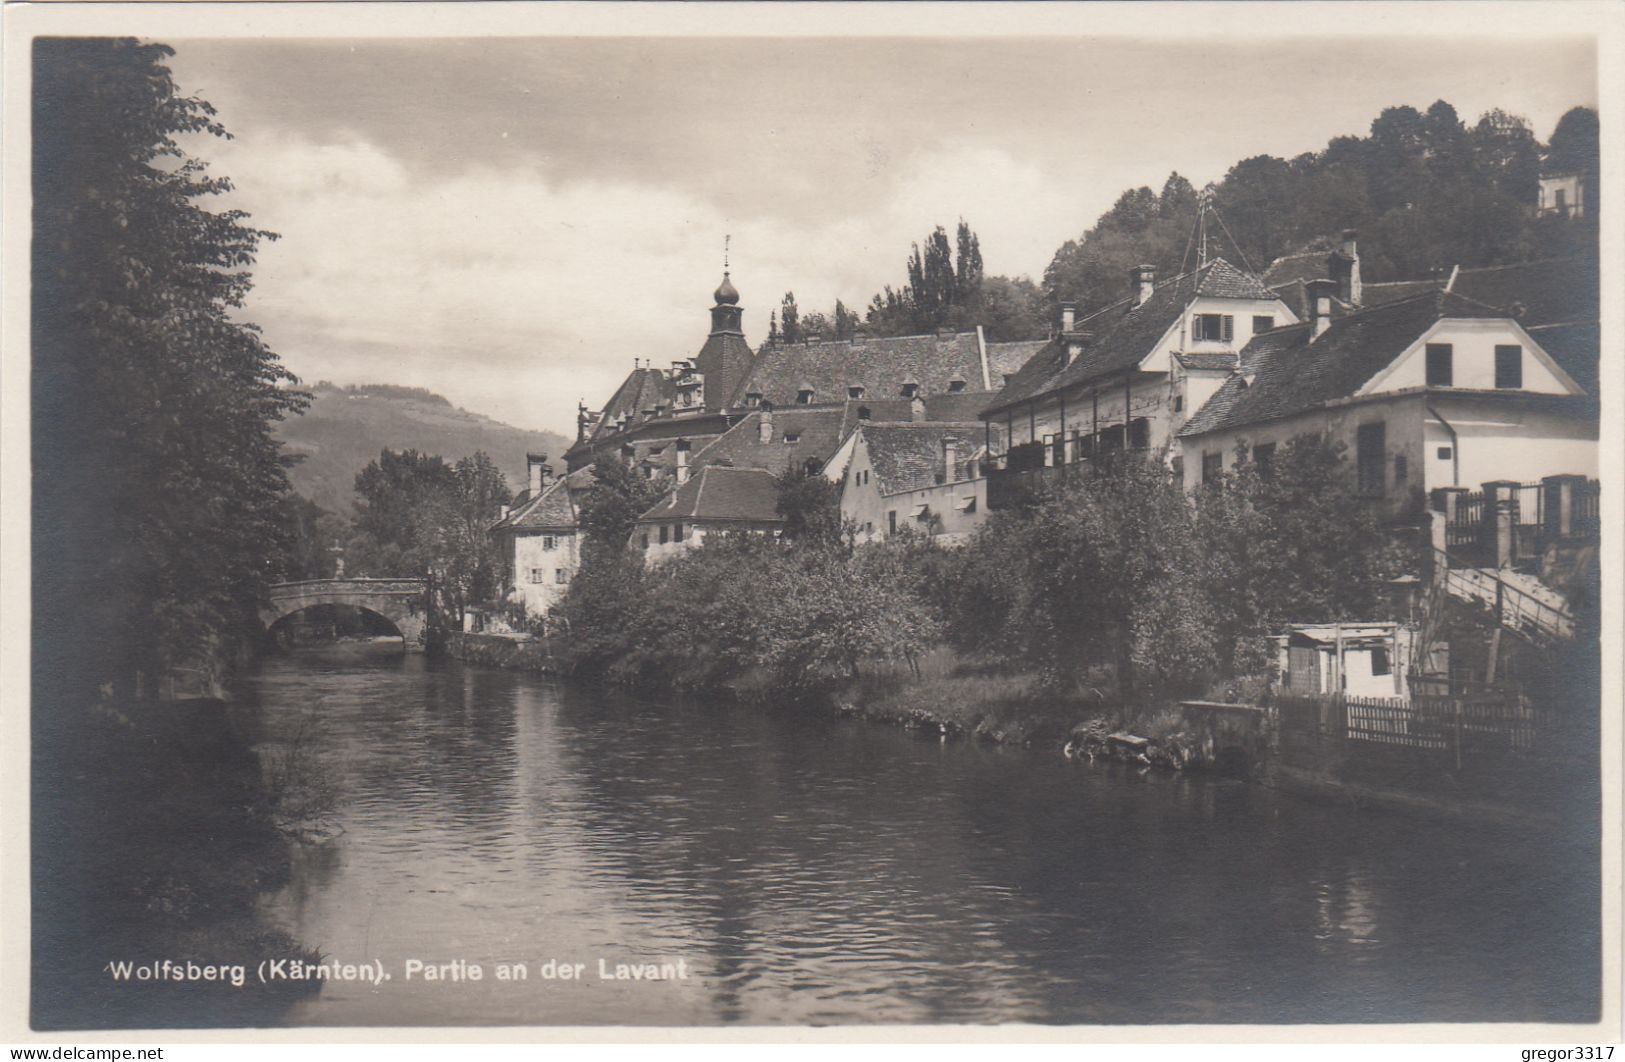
[817, 872]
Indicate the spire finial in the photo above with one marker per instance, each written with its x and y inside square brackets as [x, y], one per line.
[726, 238]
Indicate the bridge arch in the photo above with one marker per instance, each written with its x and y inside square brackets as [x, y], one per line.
[402, 602]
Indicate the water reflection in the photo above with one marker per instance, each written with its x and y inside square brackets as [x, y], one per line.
[820, 873]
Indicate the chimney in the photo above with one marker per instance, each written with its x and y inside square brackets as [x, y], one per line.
[1346, 269]
[765, 426]
[1069, 316]
[1145, 277]
[916, 408]
[1320, 306]
[682, 461]
[537, 465]
[950, 458]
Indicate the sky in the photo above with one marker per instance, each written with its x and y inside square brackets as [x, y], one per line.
[513, 222]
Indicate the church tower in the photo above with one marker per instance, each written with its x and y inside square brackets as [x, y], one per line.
[726, 359]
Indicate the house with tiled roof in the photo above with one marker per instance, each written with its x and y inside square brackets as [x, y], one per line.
[865, 369]
[540, 537]
[717, 499]
[1128, 376]
[654, 408]
[1435, 390]
[918, 476]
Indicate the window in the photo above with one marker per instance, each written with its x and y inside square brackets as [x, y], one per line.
[643, 540]
[1139, 433]
[1445, 453]
[1441, 364]
[550, 542]
[562, 577]
[677, 532]
[956, 387]
[1379, 661]
[1212, 467]
[1215, 327]
[1179, 403]
[891, 521]
[1370, 451]
[1562, 199]
[664, 531]
[804, 396]
[911, 390]
[1508, 366]
[1262, 323]
[1179, 469]
[854, 392]
[1264, 458]
[753, 399]
[538, 575]
[792, 436]
[1402, 470]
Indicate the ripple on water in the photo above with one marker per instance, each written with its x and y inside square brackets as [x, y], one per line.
[821, 874]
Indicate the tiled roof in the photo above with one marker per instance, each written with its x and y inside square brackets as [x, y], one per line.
[879, 366]
[1123, 334]
[818, 434]
[1005, 359]
[1215, 362]
[1552, 291]
[725, 359]
[1575, 347]
[555, 507]
[1304, 265]
[1556, 291]
[1289, 374]
[909, 456]
[721, 493]
[642, 389]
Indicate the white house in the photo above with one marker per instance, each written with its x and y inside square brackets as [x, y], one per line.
[1431, 391]
[541, 537]
[1129, 376]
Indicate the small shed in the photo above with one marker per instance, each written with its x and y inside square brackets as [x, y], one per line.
[1357, 659]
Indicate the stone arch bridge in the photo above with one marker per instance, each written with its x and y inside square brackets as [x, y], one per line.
[404, 602]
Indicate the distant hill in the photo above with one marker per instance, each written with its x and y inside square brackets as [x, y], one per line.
[346, 427]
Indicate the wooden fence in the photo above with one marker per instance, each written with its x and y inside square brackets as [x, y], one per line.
[1464, 719]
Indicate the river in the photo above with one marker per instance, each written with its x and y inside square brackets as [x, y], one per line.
[811, 871]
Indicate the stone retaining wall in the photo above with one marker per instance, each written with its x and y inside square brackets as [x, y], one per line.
[520, 652]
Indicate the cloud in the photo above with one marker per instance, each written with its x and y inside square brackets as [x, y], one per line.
[516, 294]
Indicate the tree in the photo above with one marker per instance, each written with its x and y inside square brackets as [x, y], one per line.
[1575, 143]
[789, 319]
[810, 505]
[158, 482]
[846, 322]
[610, 509]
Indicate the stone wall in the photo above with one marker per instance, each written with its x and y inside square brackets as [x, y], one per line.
[519, 652]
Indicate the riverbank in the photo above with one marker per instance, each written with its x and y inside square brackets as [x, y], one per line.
[154, 837]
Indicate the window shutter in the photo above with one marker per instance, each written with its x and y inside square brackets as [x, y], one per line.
[1229, 328]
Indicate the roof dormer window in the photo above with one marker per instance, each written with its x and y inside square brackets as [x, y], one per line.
[956, 386]
[911, 389]
[804, 396]
[792, 436]
[855, 392]
[753, 399]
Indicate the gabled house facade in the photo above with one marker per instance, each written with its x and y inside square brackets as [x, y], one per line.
[540, 537]
[1130, 375]
[1436, 390]
[917, 476]
[715, 500]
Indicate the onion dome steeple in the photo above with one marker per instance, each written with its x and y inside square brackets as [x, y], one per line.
[726, 315]
[726, 294]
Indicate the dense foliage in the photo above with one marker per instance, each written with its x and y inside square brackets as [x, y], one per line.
[418, 517]
[1114, 573]
[610, 510]
[158, 487]
[1425, 190]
